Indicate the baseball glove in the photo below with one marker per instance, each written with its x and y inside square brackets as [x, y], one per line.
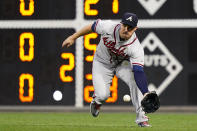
[150, 103]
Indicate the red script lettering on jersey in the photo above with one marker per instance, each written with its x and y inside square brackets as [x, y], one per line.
[111, 46]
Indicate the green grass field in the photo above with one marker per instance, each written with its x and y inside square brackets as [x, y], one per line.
[28, 121]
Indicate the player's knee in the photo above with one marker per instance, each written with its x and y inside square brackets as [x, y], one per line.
[103, 96]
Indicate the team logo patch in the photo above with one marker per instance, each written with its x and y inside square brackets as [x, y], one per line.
[162, 66]
[130, 18]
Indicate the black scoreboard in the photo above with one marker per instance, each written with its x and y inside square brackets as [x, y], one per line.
[33, 65]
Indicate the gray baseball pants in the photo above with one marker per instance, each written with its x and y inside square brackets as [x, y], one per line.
[102, 77]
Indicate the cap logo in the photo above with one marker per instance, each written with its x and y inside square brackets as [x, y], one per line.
[130, 18]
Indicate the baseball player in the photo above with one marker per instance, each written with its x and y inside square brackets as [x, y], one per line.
[118, 52]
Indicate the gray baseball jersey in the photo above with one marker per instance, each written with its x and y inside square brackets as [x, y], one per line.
[111, 50]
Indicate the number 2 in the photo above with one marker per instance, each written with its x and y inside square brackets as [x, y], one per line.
[68, 67]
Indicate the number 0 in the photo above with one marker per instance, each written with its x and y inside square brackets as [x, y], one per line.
[29, 11]
[30, 79]
[30, 37]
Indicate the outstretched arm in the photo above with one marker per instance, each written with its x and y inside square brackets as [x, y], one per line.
[71, 39]
[140, 79]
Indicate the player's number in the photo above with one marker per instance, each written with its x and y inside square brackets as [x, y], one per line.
[30, 37]
[30, 79]
[88, 46]
[68, 67]
[29, 11]
[93, 12]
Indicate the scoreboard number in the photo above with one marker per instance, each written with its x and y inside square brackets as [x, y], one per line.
[94, 12]
[29, 11]
[22, 78]
[88, 10]
[68, 67]
[115, 6]
[90, 47]
[30, 56]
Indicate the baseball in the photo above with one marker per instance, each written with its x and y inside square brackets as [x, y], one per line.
[57, 95]
[126, 98]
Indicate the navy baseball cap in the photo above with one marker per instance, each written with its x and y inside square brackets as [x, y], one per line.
[130, 19]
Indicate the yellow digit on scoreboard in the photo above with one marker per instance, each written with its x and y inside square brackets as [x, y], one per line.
[88, 46]
[115, 6]
[29, 57]
[29, 11]
[30, 79]
[68, 67]
[88, 10]
[113, 90]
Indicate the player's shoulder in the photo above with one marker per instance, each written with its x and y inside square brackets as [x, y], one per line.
[133, 41]
[135, 46]
[108, 22]
[108, 25]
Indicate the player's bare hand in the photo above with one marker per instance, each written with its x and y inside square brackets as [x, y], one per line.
[68, 42]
